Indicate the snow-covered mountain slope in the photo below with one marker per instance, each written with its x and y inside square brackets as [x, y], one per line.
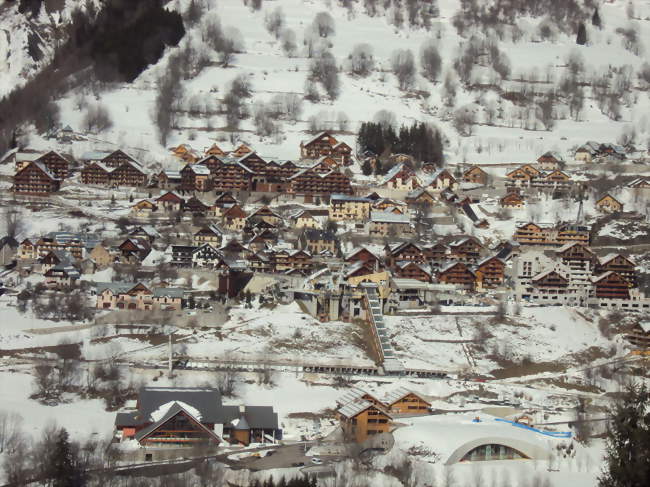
[515, 133]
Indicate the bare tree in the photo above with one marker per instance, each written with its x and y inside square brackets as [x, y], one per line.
[46, 382]
[10, 430]
[323, 24]
[324, 70]
[14, 222]
[430, 60]
[97, 119]
[361, 60]
[403, 66]
[169, 92]
[274, 21]
[288, 42]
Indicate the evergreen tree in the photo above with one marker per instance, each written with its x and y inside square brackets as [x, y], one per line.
[366, 167]
[628, 441]
[582, 35]
[595, 19]
[63, 469]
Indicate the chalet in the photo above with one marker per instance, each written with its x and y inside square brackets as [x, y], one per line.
[235, 250]
[172, 417]
[234, 218]
[587, 153]
[639, 183]
[609, 204]
[550, 161]
[441, 179]
[168, 179]
[116, 158]
[96, 173]
[466, 249]
[134, 250]
[388, 204]
[291, 260]
[146, 232]
[458, 274]
[266, 214]
[325, 144]
[361, 419]
[27, 250]
[241, 151]
[437, 252]
[144, 209]
[538, 234]
[54, 258]
[557, 177]
[401, 177]
[75, 244]
[101, 256]
[613, 151]
[170, 201]
[325, 164]
[305, 219]
[129, 173]
[346, 207]
[490, 272]
[512, 200]
[208, 235]
[475, 175]
[383, 224]
[206, 256]
[182, 255]
[58, 165]
[35, 179]
[405, 401]
[413, 270]
[61, 276]
[420, 196]
[523, 174]
[214, 150]
[195, 177]
[225, 200]
[233, 176]
[619, 264]
[365, 256]
[611, 285]
[137, 296]
[310, 183]
[404, 251]
[550, 285]
[185, 153]
[317, 241]
[196, 207]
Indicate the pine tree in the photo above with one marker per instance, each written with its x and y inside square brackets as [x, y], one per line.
[628, 441]
[63, 469]
[366, 167]
[595, 19]
[582, 35]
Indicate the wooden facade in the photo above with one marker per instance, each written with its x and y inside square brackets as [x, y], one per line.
[35, 179]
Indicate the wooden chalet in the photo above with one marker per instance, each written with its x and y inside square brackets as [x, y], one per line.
[534, 234]
[168, 179]
[206, 255]
[475, 175]
[413, 270]
[185, 153]
[437, 252]
[195, 206]
[512, 200]
[609, 204]
[362, 254]
[490, 272]
[405, 401]
[134, 249]
[406, 251]
[138, 296]
[195, 177]
[96, 173]
[550, 282]
[129, 173]
[210, 235]
[144, 209]
[310, 183]
[170, 201]
[401, 177]
[550, 161]
[58, 165]
[234, 218]
[577, 257]
[639, 183]
[457, 273]
[241, 151]
[35, 179]
[621, 265]
[361, 419]
[466, 249]
[317, 241]
[215, 150]
[116, 158]
[324, 144]
[176, 417]
[441, 179]
[611, 285]
[420, 196]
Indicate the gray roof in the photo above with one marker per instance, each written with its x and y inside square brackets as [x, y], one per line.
[387, 217]
[206, 400]
[169, 292]
[346, 197]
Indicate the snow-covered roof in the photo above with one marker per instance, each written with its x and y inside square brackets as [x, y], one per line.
[388, 217]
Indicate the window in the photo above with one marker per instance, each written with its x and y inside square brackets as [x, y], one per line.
[492, 452]
[148, 457]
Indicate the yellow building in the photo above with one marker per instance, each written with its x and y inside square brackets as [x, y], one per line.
[346, 207]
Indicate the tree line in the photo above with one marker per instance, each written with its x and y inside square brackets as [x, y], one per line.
[419, 140]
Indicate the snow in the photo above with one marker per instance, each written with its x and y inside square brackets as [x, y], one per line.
[159, 413]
